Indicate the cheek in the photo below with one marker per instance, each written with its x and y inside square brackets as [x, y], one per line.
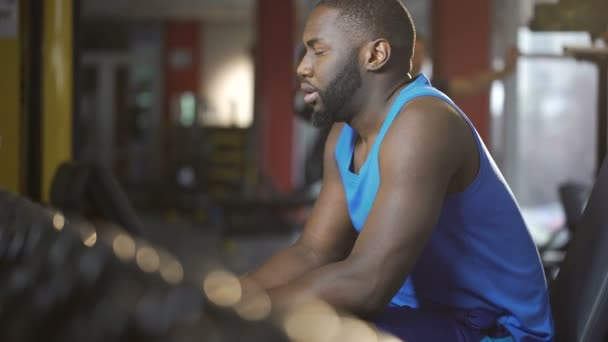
[325, 70]
[325, 80]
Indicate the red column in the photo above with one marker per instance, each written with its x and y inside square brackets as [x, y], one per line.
[274, 89]
[182, 60]
[461, 45]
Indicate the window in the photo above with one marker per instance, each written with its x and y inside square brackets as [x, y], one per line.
[555, 133]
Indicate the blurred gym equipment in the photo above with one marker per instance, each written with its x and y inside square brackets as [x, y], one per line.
[573, 198]
[89, 190]
[61, 282]
[578, 294]
[586, 16]
[571, 15]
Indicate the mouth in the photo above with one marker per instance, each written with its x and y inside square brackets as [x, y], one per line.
[311, 95]
[311, 98]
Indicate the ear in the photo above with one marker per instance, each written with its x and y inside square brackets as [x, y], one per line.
[377, 54]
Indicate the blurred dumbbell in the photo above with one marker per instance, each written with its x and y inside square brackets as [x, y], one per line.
[57, 283]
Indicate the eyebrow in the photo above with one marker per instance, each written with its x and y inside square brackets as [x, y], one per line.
[312, 42]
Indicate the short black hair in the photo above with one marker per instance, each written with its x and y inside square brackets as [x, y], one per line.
[376, 19]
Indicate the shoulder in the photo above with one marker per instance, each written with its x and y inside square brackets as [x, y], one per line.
[427, 130]
[431, 117]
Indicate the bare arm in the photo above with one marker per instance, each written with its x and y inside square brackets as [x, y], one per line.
[478, 82]
[327, 237]
[421, 153]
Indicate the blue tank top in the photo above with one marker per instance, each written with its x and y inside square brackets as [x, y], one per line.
[480, 255]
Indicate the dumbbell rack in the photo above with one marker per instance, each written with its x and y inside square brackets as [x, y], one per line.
[57, 284]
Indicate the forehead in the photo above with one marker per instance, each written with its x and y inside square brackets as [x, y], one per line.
[322, 25]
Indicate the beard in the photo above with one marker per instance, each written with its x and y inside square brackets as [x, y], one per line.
[337, 94]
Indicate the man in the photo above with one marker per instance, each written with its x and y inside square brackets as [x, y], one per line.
[467, 85]
[414, 228]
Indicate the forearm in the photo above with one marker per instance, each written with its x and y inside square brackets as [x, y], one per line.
[285, 266]
[339, 284]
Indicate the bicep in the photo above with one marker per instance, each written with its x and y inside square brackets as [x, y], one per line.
[400, 223]
[416, 166]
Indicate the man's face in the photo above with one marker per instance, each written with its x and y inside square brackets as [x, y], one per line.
[329, 70]
[418, 58]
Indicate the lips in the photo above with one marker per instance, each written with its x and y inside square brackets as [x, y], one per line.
[311, 94]
[310, 98]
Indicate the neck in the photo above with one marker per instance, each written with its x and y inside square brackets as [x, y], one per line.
[368, 121]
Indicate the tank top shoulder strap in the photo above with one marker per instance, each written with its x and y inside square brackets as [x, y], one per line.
[421, 86]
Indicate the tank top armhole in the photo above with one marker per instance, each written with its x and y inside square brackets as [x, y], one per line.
[481, 150]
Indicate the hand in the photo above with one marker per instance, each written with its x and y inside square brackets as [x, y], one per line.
[283, 300]
[255, 304]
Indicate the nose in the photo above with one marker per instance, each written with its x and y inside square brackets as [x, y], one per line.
[304, 68]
